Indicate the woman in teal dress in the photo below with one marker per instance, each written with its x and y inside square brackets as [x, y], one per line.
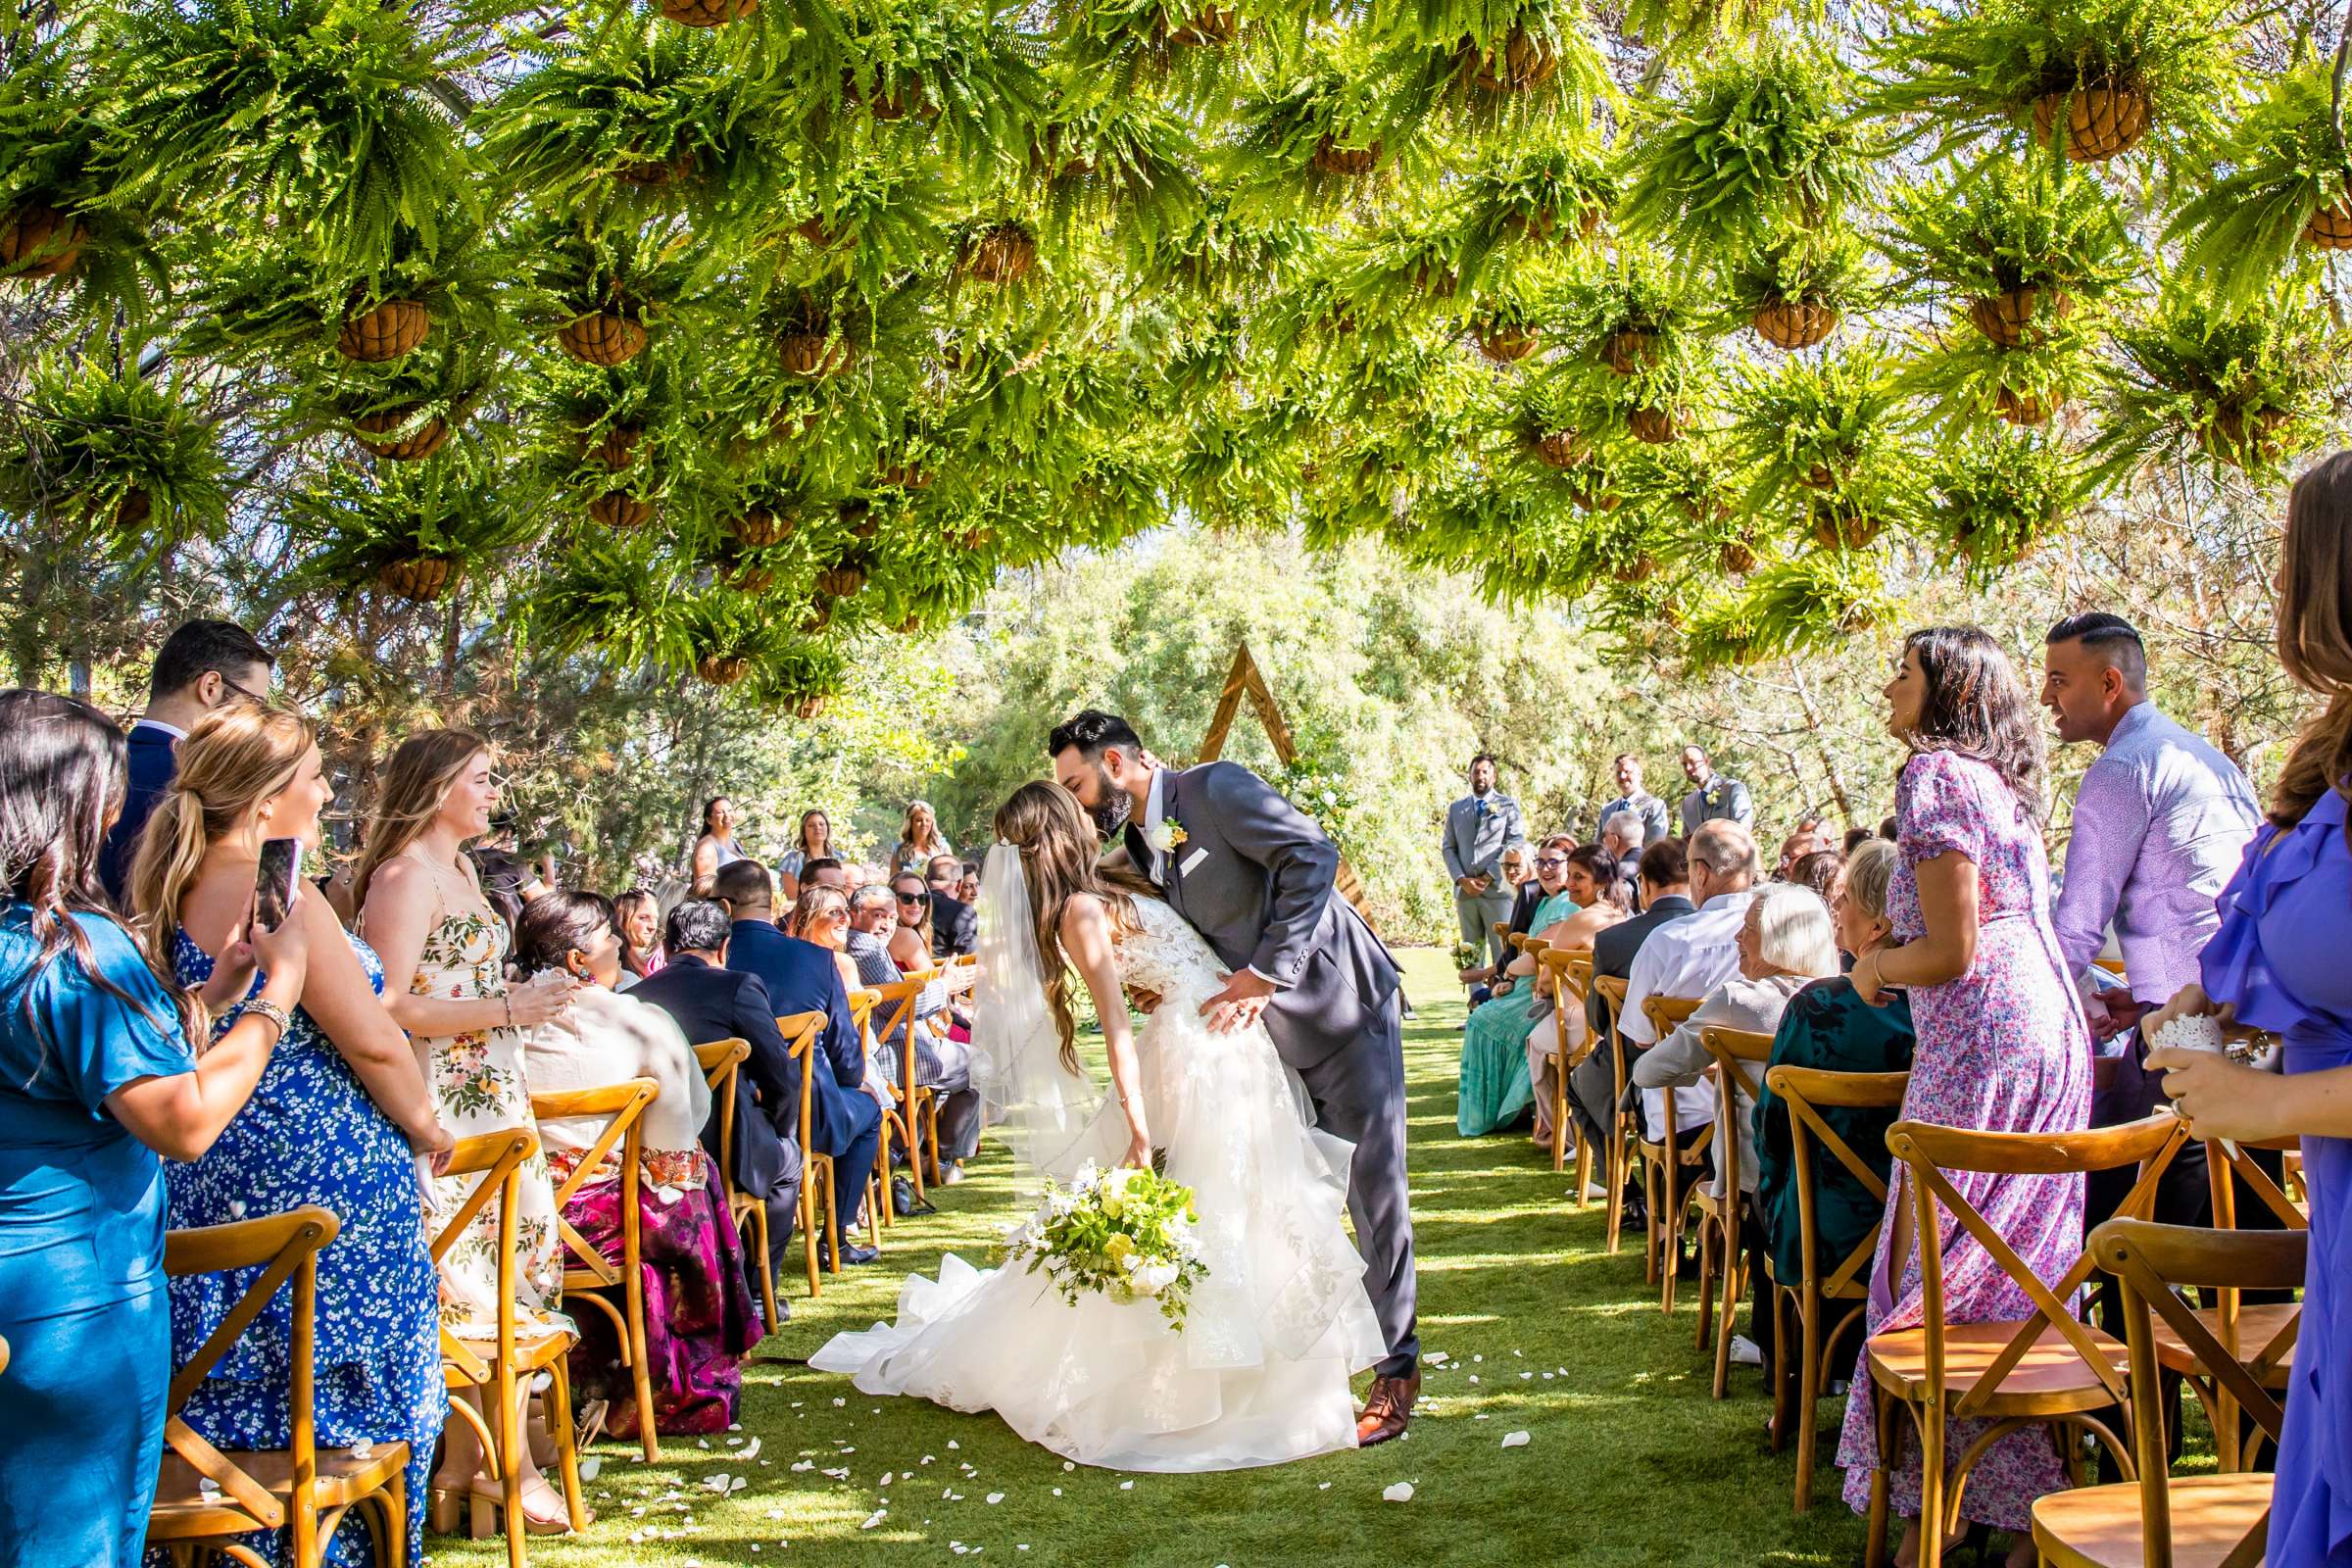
[1495, 1084]
[97, 1078]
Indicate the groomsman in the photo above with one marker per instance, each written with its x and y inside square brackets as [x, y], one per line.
[1713, 798]
[201, 666]
[1632, 797]
[1479, 827]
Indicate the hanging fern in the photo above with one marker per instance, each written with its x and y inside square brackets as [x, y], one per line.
[2289, 189]
[113, 459]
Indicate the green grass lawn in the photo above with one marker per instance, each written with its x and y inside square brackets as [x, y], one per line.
[1629, 1461]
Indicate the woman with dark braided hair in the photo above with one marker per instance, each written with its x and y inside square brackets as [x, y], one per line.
[98, 1075]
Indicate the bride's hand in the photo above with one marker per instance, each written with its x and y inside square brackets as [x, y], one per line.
[1139, 1149]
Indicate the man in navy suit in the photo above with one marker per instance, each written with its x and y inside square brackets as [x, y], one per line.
[844, 1120]
[711, 1002]
[954, 924]
[202, 666]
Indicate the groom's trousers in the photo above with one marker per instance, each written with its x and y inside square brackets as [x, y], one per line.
[1359, 1095]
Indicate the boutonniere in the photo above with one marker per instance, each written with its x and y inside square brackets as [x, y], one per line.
[1715, 795]
[1166, 837]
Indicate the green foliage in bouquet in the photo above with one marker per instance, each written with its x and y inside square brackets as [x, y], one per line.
[113, 456]
[1323, 794]
[1123, 1234]
[2288, 188]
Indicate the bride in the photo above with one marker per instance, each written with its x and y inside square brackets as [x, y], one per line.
[1258, 1373]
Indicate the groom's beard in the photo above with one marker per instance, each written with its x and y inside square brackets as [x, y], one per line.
[1113, 808]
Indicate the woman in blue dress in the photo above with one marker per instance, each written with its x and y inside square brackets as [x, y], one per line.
[2278, 963]
[340, 1118]
[97, 1078]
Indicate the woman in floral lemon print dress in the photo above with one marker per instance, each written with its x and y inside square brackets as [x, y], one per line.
[422, 910]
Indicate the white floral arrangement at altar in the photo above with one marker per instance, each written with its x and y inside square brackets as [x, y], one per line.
[1122, 1233]
[1323, 794]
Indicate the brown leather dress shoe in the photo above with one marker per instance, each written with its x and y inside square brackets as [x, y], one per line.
[1388, 1408]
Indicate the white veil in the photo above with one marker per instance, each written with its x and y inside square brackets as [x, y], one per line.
[1042, 1110]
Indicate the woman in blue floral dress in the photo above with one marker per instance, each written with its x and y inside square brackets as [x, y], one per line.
[338, 1120]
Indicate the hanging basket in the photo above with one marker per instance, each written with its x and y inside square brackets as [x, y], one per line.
[617, 449]
[647, 173]
[2010, 319]
[814, 354]
[1655, 426]
[2100, 122]
[601, 338]
[722, 669]
[2331, 228]
[1641, 569]
[908, 477]
[1002, 253]
[2023, 408]
[37, 240]
[2242, 440]
[1560, 449]
[420, 578]
[1629, 349]
[618, 509]
[1345, 163]
[1211, 26]
[814, 230]
[387, 331]
[1736, 557]
[1524, 62]
[421, 442]
[749, 577]
[810, 708]
[758, 528]
[1505, 345]
[1592, 498]
[707, 13]
[1850, 531]
[841, 582]
[1795, 324]
[906, 96]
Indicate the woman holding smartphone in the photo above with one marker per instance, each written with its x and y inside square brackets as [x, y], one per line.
[339, 1120]
[98, 1076]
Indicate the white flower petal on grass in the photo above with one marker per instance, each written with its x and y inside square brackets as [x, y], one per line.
[1126, 1486]
[874, 1518]
[1515, 1439]
[802, 1466]
[739, 1482]
[717, 1481]
[590, 1464]
[993, 1498]
[1401, 1491]
[751, 1450]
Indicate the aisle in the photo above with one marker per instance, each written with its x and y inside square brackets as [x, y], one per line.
[1628, 1461]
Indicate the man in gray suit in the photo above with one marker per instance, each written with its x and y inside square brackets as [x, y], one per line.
[1254, 876]
[1479, 827]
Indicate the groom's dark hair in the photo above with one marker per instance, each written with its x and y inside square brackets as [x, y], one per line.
[1093, 733]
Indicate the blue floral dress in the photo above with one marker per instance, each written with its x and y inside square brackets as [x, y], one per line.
[312, 1135]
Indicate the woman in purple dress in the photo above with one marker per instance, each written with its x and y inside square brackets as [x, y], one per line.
[2001, 1043]
[2278, 963]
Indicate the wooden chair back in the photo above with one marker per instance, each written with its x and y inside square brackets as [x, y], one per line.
[1927, 1152]
[800, 1031]
[496, 1158]
[1570, 970]
[894, 1009]
[1740, 1057]
[1807, 1092]
[2224, 1156]
[587, 1274]
[1666, 1015]
[1664, 1158]
[722, 1061]
[1616, 1168]
[283, 1246]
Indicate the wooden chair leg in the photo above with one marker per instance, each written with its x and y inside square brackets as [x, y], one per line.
[1583, 1175]
[510, 1466]
[1707, 1284]
[1783, 1400]
[931, 1135]
[393, 1551]
[1732, 1284]
[758, 1215]
[1651, 1180]
[1932, 1482]
[1809, 1395]
[812, 1177]
[1615, 1173]
[832, 1217]
[1559, 1123]
[640, 1374]
[567, 1448]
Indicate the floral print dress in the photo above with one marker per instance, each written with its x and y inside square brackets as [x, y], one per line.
[2001, 1048]
[478, 1079]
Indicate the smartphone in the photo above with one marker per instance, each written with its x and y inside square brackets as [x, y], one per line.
[273, 882]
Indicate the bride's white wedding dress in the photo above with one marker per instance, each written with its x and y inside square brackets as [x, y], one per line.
[1260, 1372]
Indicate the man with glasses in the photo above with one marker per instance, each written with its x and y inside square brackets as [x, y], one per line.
[1551, 874]
[954, 924]
[203, 666]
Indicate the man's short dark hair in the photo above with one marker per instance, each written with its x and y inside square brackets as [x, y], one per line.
[1666, 864]
[1093, 732]
[744, 881]
[2111, 637]
[931, 866]
[1624, 756]
[199, 647]
[824, 863]
[1856, 836]
[698, 925]
[1487, 757]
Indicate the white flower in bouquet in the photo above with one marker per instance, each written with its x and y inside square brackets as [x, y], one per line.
[1125, 1234]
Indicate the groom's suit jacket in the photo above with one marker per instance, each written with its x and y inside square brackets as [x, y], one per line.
[1254, 876]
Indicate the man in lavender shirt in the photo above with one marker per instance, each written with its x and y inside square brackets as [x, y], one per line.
[2161, 822]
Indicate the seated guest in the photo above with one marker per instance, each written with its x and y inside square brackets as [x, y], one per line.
[1541, 899]
[1691, 957]
[824, 872]
[99, 1076]
[699, 1320]
[1518, 865]
[1856, 837]
[1621, 835]
[945, 1066]
[203, 666]
[822, 917]
[341, 1113]
[1816, 872]
[1494, 1083]
[1665, 899]
[710, 1001]
[954, 921]
[1826, 1026]
[967, 886]
[638, 914]
[801, 977]
[911, 940]
[1607, 912]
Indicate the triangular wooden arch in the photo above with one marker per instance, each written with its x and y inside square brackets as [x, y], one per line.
[1244, 679]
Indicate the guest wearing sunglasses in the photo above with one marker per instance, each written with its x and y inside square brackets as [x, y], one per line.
[201, 666]
[911, 940]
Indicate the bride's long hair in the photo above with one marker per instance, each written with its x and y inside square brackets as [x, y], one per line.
[1061, 858]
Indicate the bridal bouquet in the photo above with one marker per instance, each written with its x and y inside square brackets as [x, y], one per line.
[1122, 1233]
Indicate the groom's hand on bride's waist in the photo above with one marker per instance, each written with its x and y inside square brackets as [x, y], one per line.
[1239, 1004]
[1143, 1001]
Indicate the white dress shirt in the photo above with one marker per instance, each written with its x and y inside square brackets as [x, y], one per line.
[172, 731]
[1685, 957]
[1680, 1062]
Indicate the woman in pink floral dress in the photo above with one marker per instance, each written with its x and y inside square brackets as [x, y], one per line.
[2002, 1046]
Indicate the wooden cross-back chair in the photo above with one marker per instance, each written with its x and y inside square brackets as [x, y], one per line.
[1617, 1149]
[295, 1489]
[1829, 1286]
[1667, 1162]
[589, 1279]
[2230, 1320]
[1740, 1057]
[2158, 1519]
[800, 1031]
[2050, 1369]
[514, 1357]
[722, 1060]
[893, 1132]
[1571, 971]
[919, 1102]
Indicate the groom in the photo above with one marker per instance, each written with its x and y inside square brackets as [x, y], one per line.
[1253, 876]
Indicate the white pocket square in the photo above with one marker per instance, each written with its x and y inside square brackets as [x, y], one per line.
[1192, 863]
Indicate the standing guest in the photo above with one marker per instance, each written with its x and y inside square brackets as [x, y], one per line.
[814, 842]
[339, 1118]
[2001, 1043]
[1665, 899]
[2278, 963]
[920, 842]
[802, 977]
[1690, 958]
[639, 912]
[444, 954]
[955, 919]
[201, 666]
[710, 1003]
[2161, 825]
[1479, 827]
[1816, 871]
[98, 1075]
[1713, 798]
[1622, 836]
[1494, 1085]
[945, 1066]
[1542, 899]
[716, 846]
[1632, 797]
[699, 1318]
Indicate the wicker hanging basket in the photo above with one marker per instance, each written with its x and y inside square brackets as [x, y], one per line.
[1641, 569]
[2100, 122]
[707, 13]
[134, 509]
[1629, 349]
[2023, 408]
[2331, 228]
[1345, 163]
[722, 669]
[819, 616]
[421, 578]
[1211, 26]
[2020, 317]
[37, 240]
[647, 173]
[1524, 62]
[810, 708]
[814, 353]
[618, 448]
[1560, 449]
[758, 528]
[618, 509]
[908, 477]
[601, 337]
[389, 330]
[1590, 497]
[841, 582]
[1655, 427]
[1795, 324]
[1505, 345]
[1736, 557]
[906, 96]
[421, 442]
[2241, 439]
[1849, 531]
[1002, 253]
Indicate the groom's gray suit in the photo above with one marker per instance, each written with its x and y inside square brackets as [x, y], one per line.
[1254, 876]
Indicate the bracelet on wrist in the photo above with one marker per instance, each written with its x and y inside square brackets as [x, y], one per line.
[263, 1006]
